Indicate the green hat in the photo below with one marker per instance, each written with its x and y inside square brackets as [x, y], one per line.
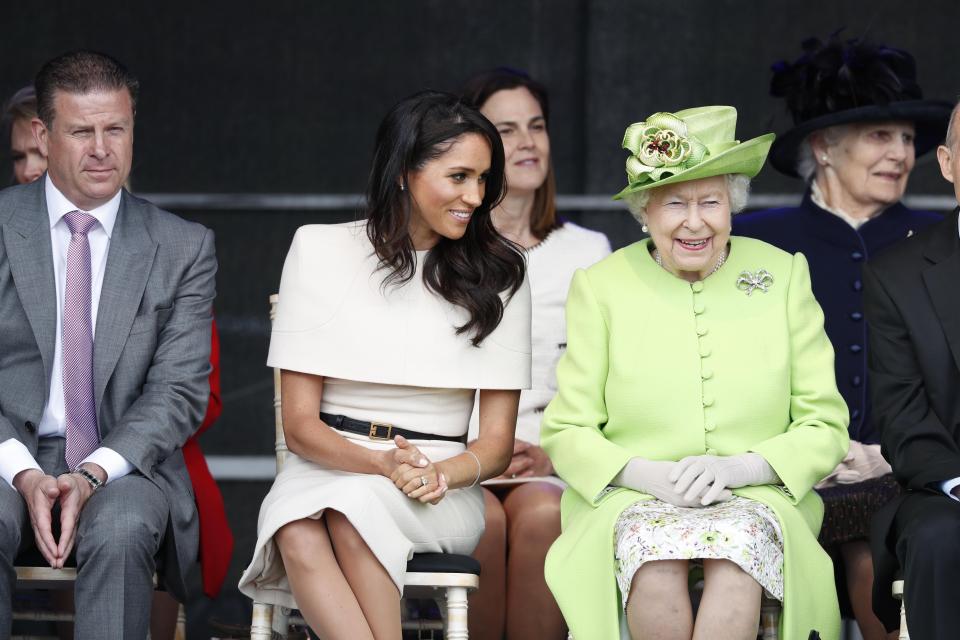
[688, 145]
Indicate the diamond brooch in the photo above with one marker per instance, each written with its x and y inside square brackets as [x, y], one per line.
[750, 281]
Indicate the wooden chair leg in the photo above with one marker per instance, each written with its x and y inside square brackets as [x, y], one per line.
[281, 622]
[181, 632]
[770, 619]
[456, 614]
[896, 590]
[904, 632]
[261, 623]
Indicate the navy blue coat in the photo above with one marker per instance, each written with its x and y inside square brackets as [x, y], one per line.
[836, 253]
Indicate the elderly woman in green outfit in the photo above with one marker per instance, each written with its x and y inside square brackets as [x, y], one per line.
[697, 407]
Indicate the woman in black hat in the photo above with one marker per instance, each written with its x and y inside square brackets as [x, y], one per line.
[860, 123]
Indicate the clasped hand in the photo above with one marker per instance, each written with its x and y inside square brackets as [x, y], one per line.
[41, 492]
[654, 477]
[711, 476]
[863, 462]
[414, 474]
[529, 460]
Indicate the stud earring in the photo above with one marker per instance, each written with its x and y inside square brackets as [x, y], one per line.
[403, 187]
[824, 158]
[644, 228]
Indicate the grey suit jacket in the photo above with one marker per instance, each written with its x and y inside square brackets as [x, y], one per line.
[151, 352]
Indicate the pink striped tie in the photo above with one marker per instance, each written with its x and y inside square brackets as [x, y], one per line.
[81, 415]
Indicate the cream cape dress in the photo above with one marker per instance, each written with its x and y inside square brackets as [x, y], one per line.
[389, 354]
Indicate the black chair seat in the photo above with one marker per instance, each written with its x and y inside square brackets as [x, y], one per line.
[443, 563]
[32, 557]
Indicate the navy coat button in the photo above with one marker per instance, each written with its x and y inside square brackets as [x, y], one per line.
[855, 381]
[857, 285]
[856, 256]
[30, 426]
[856, 316]
[855, 348]
[855, 414]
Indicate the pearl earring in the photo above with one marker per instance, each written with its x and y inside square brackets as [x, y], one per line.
[403, 187]
[824, 158]
[644, 228]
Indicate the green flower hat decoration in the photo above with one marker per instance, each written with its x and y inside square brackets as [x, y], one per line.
[667, 148]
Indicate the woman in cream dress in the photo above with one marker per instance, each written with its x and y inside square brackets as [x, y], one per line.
[391, 325]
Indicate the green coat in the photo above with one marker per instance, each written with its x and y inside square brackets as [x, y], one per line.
[661, 368]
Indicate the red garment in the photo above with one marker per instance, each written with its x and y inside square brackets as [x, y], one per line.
[216, 539]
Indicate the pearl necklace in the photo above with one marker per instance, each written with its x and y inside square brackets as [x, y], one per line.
[720, 261]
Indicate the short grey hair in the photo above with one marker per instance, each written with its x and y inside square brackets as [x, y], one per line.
[806, 162]
[951, 139]
[738, 191]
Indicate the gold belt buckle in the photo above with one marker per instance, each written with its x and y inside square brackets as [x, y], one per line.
[375, 433]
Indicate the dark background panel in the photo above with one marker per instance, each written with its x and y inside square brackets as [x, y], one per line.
[646, 57]
[285, 96]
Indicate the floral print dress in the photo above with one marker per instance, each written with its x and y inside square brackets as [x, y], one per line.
[741, 530]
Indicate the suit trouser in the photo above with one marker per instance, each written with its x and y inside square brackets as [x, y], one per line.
[927, 527]
[118, 537]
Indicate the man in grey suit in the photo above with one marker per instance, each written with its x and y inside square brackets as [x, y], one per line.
[105, 315]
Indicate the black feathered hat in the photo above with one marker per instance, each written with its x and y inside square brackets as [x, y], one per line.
[843, 82]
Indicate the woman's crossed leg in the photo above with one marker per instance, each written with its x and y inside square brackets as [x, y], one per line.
[342, 590]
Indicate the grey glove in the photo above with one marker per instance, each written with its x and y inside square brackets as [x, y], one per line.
[653, 477]
[694, 474]
[863, 462]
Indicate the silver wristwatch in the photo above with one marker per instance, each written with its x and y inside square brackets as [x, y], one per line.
[93, 480]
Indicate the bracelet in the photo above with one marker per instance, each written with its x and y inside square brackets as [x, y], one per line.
[93, 480]
[479, 468]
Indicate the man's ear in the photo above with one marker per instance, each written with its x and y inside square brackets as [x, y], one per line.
[40, 134]
[946, 168]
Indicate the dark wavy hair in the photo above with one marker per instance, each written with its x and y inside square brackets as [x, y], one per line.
[477, 90]
[471, 272]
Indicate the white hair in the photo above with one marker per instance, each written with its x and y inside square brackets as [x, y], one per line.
[951, 139]
[806, 162]
[738, 191]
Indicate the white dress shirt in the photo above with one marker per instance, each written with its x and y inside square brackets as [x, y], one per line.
[14, 456]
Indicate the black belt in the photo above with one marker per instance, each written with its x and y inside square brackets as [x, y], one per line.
[382, 430]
